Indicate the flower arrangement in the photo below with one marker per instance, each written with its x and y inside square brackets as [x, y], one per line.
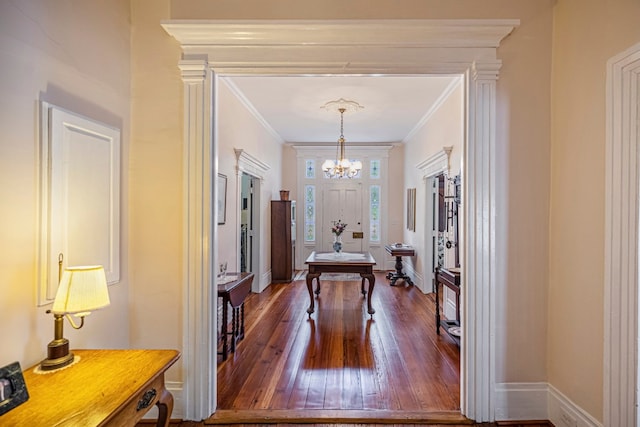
[338, 227]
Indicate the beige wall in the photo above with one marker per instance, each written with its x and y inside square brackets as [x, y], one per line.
[156, 183]
[74, 55]
[445, 128]
[587, 34]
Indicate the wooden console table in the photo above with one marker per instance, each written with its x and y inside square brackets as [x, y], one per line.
[449, 277]
[346, 262]
[233, 293]
[101, 388]
[398, 251]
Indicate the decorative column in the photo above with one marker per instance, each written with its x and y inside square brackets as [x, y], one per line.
[621, 240]
[199, 328]
[481, 278]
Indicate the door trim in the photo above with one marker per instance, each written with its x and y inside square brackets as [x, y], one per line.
[338, 47]
[621, 240]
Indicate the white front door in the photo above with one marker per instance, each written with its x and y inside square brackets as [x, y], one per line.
[342, 200]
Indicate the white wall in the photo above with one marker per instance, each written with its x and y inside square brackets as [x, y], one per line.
[74, 55]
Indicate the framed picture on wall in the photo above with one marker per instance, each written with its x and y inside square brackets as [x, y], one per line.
[411, 209]
[222, 198]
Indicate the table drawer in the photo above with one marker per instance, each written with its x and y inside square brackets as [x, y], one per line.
[138, 405]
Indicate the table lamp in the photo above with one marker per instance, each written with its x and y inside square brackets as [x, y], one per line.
[81, 290]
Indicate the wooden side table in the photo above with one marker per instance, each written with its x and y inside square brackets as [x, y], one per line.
[449, 277]
[233, 293]
[399, 251]
[100, 388]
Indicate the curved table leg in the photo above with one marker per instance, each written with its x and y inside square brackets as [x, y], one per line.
[318, 285]
[362, 286]
[372, 281]
[310, 277]
[165, 407]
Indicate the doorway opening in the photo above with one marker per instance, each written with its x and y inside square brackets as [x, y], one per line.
[248, 246]
[207, 54]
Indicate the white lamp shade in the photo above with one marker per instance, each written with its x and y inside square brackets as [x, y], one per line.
[357, 165]
[327, 165]
[81, 290]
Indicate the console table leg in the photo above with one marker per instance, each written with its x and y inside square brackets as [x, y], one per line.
[165, 407]
[372, 282]
[310, 277]
[223, 327]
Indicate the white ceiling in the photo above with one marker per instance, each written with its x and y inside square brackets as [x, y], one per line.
[394, 106]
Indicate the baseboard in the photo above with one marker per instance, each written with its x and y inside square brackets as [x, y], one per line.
[539, 401]
[521, 401]
[565, 413]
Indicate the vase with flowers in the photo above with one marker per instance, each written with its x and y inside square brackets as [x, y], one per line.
[337, 230]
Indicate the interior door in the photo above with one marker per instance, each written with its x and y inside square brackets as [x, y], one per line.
[342, 201]
[247, 223]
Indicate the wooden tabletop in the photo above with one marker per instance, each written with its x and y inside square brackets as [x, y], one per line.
[90, 390]
[350, 258]
[401, 250]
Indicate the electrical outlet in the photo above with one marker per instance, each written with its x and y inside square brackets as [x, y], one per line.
[567, 419]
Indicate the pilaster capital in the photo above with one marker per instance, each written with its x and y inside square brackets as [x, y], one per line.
[194, 70]
[486, 70]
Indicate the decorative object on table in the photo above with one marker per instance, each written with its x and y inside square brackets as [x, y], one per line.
[337, 230]
[342, 167]
[81, 290]
[222, 270]
[13, 390]
[284, 194]
[456, 331]
[222, 198]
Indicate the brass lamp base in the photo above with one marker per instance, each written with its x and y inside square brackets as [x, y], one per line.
[58, 355]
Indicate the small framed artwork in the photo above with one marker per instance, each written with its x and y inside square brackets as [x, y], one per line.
[411, 209]
[13, 390]
[222, 198]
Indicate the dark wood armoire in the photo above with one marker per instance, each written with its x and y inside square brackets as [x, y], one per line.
[282, 242]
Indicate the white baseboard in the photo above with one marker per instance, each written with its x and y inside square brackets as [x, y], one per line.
[564, 413]
[521, 401]
[264, 281]
[176, 389]
[539, 401]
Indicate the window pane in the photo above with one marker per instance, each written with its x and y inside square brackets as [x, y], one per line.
[309, 213]
[375, 169]
[374, 213]
[310, 169]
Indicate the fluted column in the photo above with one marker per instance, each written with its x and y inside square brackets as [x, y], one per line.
[479, 255]
[199, 327]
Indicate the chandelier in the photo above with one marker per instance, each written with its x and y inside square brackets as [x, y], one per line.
[342, 167]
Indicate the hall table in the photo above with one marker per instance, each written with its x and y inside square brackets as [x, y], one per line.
[233, 290]
[399, 250]
[344, 262]
[100, 388]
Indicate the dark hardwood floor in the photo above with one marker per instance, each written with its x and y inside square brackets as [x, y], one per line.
[341, 360]
[341, 367]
